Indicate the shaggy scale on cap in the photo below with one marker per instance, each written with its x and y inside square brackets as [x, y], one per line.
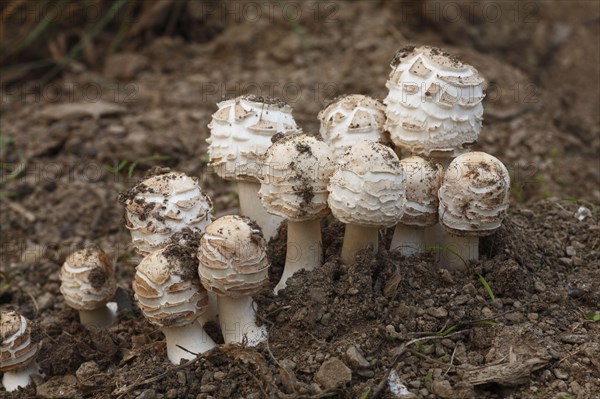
[350, 120]
[87, 279]
[163, 205]
[434, 102]
[241, 131]
[17, 351]
[474, 195]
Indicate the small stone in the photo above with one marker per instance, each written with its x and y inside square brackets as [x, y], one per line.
[515, 317]
[219, 376]
[416, 384]
[124, 66]
[438, 313]
[171, 394]
[208, 388]
[560, 374]
[58, 387]
[565, 261]
[539, 286]
[181, 379]
[333, 373]
[469, 289]
[147, 394]
[533, 316]
[117, 130]
[577, 261]
[356, 358]
[88, 373]
[46, 301]
[571, 251]
[353, 291]
[487, 312]
[573, 338]
[138, 341]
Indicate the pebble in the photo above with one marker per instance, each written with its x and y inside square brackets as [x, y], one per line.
[469, 289]
[577, 261]
[533, 316]
[438, 313]
[539, 286]
[208, 388]
[172, 393]
[181, 378]
[487, 312]
[124, 66]
[333, 373]
[46, 301]
[219, 375]
[147, 394]
[565, 261]
[571, 251]
[573, 338]
[515, 317]
[356, 358]
[560, 374]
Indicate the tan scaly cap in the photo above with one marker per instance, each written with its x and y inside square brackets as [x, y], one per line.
[434, 102]
[367, 187]
[163, 205]
[240, 133]
[87, 279]
[167, 287]
[296, 173]
[17, 351]
[352, 119]
[474, 195]
[233, 257]
[423, 179]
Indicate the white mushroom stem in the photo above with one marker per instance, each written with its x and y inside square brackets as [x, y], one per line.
[251, 206]
[304, 249]
[408, 240]
[101, 317]
[191, 337]
[357, 238]
[12, 380]
[458, 251]
[212, 312]
[238, 321]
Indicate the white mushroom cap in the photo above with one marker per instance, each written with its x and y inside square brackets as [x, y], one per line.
[423, 178]
[87, 279]
[367, 187]
[240, 133]
[474, 195]
[167, 287]
[163, 205]
[17, 351]
[295, 177]
[434, 102]
[233, 257]
[352, 119]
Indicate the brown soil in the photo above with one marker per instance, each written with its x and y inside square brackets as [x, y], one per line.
[534, 340]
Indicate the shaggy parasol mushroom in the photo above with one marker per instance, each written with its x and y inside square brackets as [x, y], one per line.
[240, 133]
[234, 265]
[350, 120]
[474, 200]
[18, 351]
[422, 182]
[163, 205]
[434, 104]
[294, 186]
[168, 291]
[88, 284]
[366, 192]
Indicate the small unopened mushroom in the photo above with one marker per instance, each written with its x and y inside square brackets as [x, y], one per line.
[163, 205]
[434, 104]
[234, 265]
[18, 351]
[366, 192]
[422, 181]
[168, 291]
[474, 200]
[294, 186]
[88, 284]
[240, 133]
[352, 119]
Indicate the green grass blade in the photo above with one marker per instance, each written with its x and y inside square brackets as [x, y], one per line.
[487, 287]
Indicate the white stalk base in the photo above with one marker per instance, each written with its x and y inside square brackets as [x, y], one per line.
[252, 207]
[212, 312]
[357, 238]
[408, 240]
[238, 321]
[304, 249]
[102, 317]
[191, 337]
[13, 380]
[458, 252]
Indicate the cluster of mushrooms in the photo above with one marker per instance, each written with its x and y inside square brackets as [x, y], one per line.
[403, 162]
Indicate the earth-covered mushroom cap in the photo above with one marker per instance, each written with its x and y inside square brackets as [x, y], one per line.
[367, 187]
[87, 279]
[17, 350]
[233, 257]
[474, 195]
[295, 177]
[423, 178]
